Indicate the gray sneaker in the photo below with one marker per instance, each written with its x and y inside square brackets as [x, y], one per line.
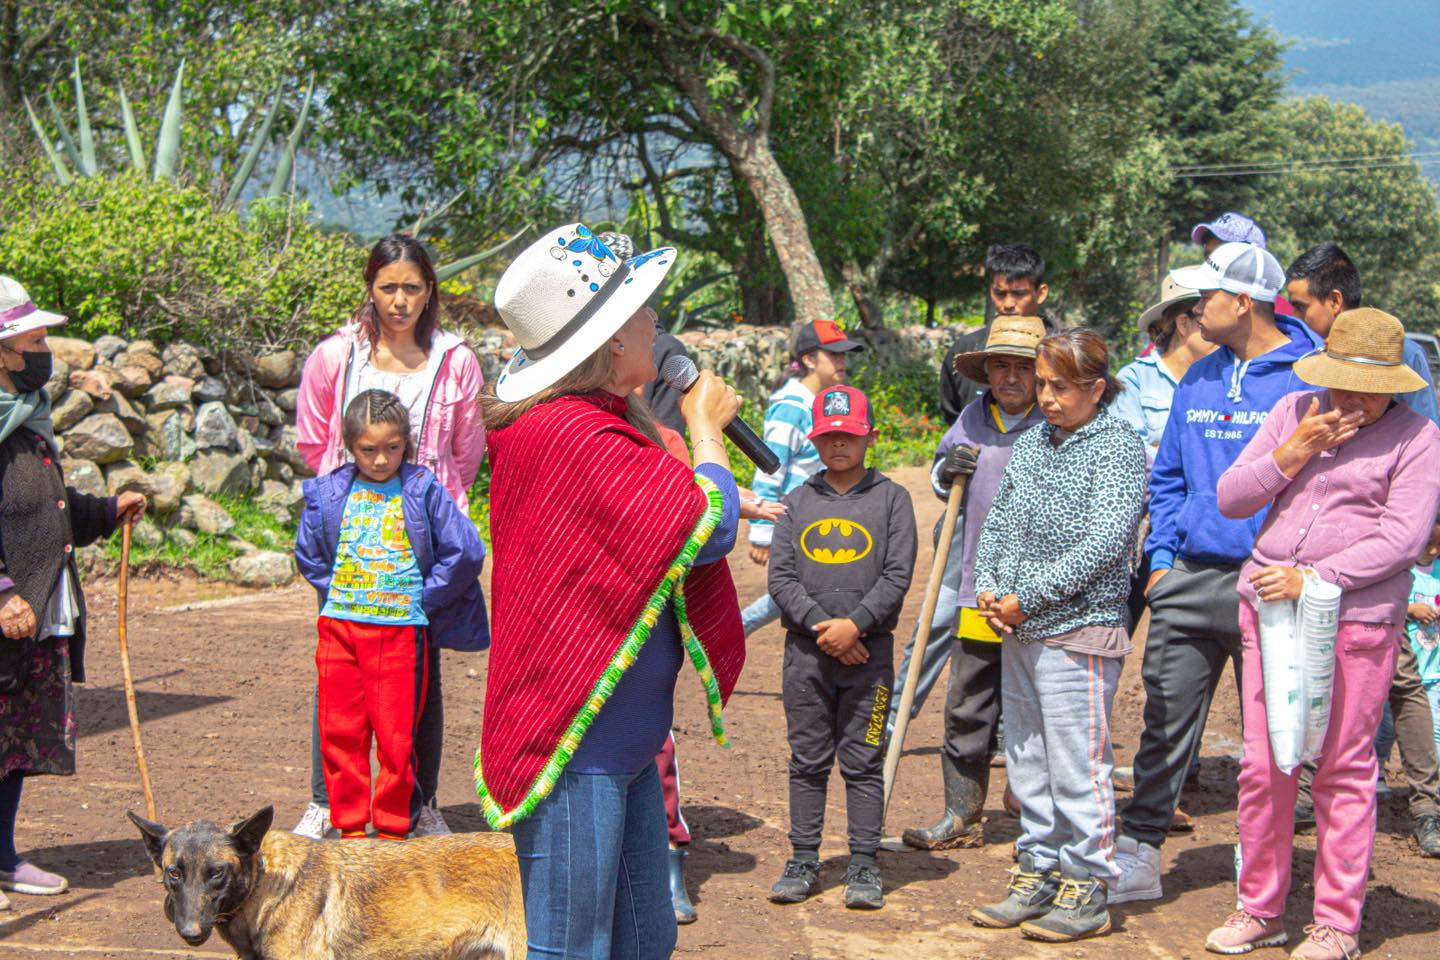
[863, 888]
[1030, 895]
[797, 883]
[1079, 912]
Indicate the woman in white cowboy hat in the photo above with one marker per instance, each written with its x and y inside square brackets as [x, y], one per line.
[42, 611]
[1351, 478]
[609, 574]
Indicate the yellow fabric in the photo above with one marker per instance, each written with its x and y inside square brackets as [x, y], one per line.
[995, 412]
[975, 627]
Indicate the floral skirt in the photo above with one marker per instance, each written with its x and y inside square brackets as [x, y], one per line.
[37, 725]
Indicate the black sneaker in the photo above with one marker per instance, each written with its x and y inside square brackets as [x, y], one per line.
[1029, 896]
[1427, 835]
[1304, 817]
[863, 889]
[797, 883]
[1079, 912]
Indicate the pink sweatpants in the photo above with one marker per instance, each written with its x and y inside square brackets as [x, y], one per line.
[1344, 788]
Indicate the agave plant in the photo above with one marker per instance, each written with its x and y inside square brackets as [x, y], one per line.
[79, 150]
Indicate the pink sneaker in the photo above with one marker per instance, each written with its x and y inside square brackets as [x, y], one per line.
[1244, 932]
[28, 878]
[1327, 943]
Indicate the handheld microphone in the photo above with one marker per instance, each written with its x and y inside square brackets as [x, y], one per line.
[679, 373]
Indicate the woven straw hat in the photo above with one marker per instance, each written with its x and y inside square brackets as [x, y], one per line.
[1365, 353]
[1171, 293]
[1010, 337]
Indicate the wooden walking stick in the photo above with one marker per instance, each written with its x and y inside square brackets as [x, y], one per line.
[922, 634]
[125, 671]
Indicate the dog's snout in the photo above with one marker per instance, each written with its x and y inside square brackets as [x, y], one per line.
[192, 933]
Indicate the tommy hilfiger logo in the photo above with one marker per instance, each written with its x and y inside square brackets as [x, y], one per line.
[1240, 418]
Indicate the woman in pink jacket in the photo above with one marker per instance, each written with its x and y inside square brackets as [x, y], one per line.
[1352, 479]
[394, 343]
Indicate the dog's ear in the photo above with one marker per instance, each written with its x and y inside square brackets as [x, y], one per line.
[154, 834]
[246, 834]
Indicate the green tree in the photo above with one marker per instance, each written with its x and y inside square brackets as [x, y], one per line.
[1384, 213]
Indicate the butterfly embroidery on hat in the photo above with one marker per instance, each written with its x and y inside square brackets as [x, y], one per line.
[587, 242]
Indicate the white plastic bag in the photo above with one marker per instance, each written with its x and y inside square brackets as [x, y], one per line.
[1297, 663]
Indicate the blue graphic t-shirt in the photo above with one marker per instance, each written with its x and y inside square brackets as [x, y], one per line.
[1425, 639]
[376, 579]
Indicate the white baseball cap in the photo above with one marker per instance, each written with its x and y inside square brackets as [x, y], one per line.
[1236, 268]
[18, 313]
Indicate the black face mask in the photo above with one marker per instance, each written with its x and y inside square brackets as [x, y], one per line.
[36, 373]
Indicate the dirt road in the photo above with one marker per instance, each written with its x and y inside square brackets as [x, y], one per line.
[226, 681]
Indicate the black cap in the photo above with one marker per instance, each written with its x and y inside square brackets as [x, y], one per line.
[824, 335]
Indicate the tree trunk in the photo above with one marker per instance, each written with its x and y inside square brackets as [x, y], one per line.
[789, 233]
[871, 316]
[1162, 258]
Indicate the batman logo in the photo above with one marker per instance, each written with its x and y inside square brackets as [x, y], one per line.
[836, 541]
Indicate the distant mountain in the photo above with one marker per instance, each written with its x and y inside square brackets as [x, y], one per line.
[1382, 55]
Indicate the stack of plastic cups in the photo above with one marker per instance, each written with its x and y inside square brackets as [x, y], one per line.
[1317, 619]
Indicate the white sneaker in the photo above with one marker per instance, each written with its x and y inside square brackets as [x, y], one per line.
[431, 824]
[1139, 866]
[316, 824]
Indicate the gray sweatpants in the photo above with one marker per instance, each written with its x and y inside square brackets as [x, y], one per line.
[1057, 755]
[1194, 630]
[833, 709]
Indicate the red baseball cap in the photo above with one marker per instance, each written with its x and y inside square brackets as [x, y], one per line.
[823, 335]
[841, 409]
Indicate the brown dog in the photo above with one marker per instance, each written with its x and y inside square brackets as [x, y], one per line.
[277, 896]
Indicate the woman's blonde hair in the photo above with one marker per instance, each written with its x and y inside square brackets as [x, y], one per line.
[593, 375]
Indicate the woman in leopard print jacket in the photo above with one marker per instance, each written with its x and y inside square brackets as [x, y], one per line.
[1052, 572]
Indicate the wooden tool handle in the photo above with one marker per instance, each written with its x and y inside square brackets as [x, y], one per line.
[125, 672]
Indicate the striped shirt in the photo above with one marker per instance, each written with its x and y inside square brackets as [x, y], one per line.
[788, 421]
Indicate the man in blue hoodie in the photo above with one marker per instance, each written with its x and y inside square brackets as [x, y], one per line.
[1195, 553]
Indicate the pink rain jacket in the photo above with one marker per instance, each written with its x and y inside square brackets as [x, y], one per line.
[452, 440]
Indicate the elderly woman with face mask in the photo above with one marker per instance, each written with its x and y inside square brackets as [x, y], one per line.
[42, 611]
[1350, 476]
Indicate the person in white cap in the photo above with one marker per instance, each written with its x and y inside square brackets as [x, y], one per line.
[42, 610]
[1229, 227]
[609, 574]
[1195, 553]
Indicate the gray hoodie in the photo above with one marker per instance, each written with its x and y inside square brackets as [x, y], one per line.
[843, 555]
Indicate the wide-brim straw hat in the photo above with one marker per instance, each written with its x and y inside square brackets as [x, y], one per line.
[563, 298]
[18, 313]
[1009, 337]
[1364, 353]
[1171, 293]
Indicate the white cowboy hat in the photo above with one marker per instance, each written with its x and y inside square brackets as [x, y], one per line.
[563, 298]
[18, 313]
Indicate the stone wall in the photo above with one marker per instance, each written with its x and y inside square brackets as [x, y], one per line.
[182, 425]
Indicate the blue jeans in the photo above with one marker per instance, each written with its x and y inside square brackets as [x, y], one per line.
[594, 869]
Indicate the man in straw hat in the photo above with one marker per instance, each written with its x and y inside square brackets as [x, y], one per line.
[1323, 283]
[1327, 467]
[978, 444]
[1194, 552]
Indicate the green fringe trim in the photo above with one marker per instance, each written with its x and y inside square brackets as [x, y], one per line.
[671, 587]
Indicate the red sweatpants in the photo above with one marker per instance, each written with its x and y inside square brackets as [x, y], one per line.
[669, 768]
[372, 683]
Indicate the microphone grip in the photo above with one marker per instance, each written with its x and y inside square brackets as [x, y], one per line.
[740, 434]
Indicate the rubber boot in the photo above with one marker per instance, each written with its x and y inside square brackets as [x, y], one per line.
[679, 899]
[960, 825]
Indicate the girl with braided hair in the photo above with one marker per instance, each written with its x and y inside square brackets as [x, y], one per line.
[396, 564]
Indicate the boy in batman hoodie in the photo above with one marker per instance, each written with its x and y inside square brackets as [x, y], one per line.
[840, 564]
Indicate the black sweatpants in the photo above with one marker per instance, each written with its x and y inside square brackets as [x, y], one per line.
[1194, 630]
[832, 708]
[972, 702]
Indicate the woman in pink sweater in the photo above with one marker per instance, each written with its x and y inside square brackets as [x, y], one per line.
[394, 343]
[1348, 473]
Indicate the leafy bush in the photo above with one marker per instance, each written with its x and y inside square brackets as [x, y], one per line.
[910, 386]
[124, 255]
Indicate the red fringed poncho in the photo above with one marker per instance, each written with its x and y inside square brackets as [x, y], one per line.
[593, 528]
